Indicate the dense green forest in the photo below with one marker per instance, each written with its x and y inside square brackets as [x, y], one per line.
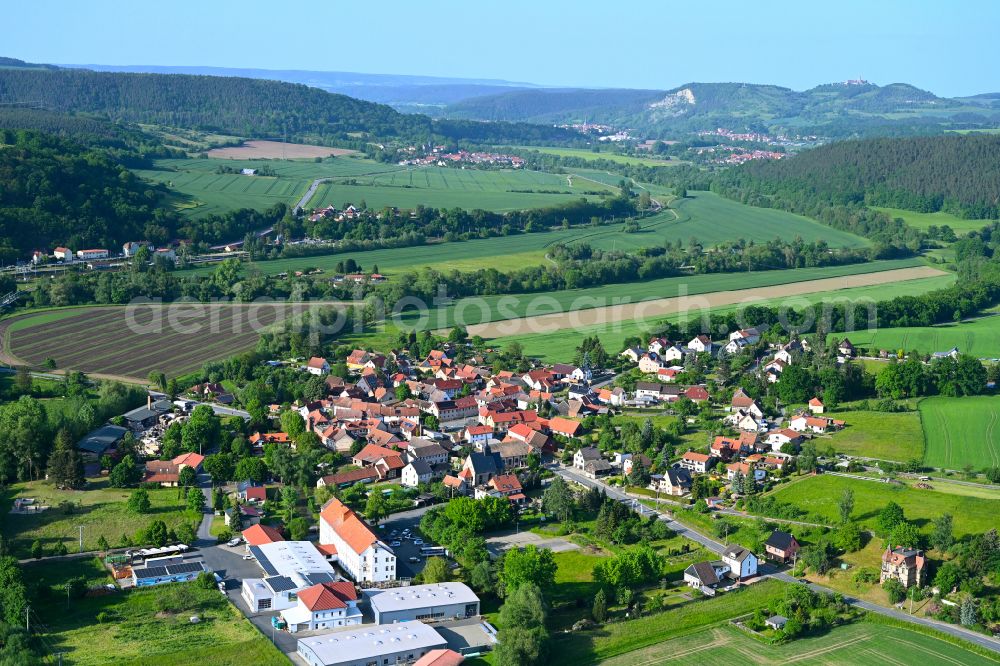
[55, 191]
[245, 107]
[957, 174]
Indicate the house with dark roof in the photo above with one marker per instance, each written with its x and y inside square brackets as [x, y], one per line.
[706, 576]
[781, 546]
[481, 467]
[415, 473]
[742, 563]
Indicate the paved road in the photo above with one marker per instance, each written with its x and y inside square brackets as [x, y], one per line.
[205, 537]
[220, 410]
[769, 570]
[309, 194]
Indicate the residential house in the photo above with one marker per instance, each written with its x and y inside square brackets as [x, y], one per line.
[514, 454]
[701, 344]
[88, 255]
[781, 546]
[318, 366]
[63, 254]
[585, 455]
[845, 348]
[358, 550]
[741, 561]
[349, 478]
[905, 564]
[357, 360]
[804, 423]
[675, 482]
[415, 473]
[696, 394]
[696, 462]
[776, 622]
[650, 363]
[633, 354]
[706, 575]
[816, 406]
[781, 437]
[565, 427]
[596, 468]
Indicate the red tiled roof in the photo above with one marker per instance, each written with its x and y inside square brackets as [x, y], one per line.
[189, 459]
[348, 526]
[316, 362]
[564, 426]
[695, 457]
[258, 535]
[327, 596]
[441, 657]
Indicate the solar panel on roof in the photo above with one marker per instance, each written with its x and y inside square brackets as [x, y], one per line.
[150, 572]
[280, 583]
[317, 578]
[262, 560]
[184, 567]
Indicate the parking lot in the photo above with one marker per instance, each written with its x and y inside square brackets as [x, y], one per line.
[498, 543]
[398, 523]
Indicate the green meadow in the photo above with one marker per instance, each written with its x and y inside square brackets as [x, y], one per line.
[980, 338]
[925, 220]
[586, 154]
[961, 431]
[974, 510]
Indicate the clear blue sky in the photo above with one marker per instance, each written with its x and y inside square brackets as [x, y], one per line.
[949, 47]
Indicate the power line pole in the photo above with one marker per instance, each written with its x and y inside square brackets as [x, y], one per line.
[81, 538]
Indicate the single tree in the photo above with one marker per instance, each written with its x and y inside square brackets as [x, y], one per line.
[600, 609]
[846, 505]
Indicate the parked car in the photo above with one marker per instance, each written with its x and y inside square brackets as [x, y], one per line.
[248, 557]
[232, 543]
[413, 559]
[418, 542]
[396, 544]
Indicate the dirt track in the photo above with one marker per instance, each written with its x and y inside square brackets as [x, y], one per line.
[667, 306]
[276, 150]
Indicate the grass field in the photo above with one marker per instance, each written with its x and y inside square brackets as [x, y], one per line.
[100, 510]
[961, 431]
[879, 435]
[438, 187]
[924, 221]
[199, 190]
[981, 338]
[621, 638]
[148, 626]
[586, 154]
[554, 345]
[105, 341]
[974, 512]
[858, 643]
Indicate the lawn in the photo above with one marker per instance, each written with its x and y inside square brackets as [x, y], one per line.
[151, 626]
[620, 638]
[973, 513]
[980, 337]
[553, 346]
[924, 221]
[857, 643]
[879, 435]
[100, 511]
[961, 431]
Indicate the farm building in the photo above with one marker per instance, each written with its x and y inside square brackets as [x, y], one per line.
[401, 643]
[171, 569]
[422, 602]
[98, 442]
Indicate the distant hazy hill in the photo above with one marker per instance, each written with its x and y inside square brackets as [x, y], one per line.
[236, 105]
[398, 90]
[833, 109]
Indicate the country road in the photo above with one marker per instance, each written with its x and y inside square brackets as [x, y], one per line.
[770, 571]
[309, 194]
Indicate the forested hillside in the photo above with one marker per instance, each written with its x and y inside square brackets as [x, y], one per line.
[57, 191]
[246, 107]
[957, 174]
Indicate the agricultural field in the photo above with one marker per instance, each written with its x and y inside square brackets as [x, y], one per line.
[857, 643]
[896, 436]
[274, 150]
[980, 337]
[719, 220]
[127, 343]
[974, 509]
[587, 154]
[144, 626]
[552, 345]
[199, 190]
[100, 510]
[924, 221]
[438, 187]
[609, 304]
[961, 431]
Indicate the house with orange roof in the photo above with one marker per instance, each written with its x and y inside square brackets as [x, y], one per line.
[565, 427]
[324, 606]
[318, 366]
[258, 535]
[696, 462]
[816, 406]
[360, 553]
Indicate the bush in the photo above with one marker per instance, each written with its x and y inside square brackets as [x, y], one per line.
[895, 590]
[205, 580]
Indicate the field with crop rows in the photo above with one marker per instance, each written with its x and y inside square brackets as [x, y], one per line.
[110, 341]
[961, 431]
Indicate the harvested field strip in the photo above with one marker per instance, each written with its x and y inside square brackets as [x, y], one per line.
[667, 306]
[166, 355]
